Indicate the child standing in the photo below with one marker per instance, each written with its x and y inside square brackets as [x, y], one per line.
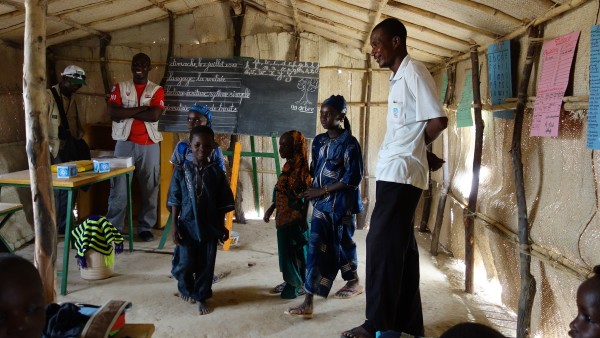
[198, 115]
[337, 171]
[587, 322]
[199, 197]
[290, 219]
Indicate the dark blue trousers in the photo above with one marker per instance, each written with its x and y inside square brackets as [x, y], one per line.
[194, 267]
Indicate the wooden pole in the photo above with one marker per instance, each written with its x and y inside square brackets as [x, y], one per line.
[104, 41]
[469, 216]
[237, 17]
[439, 217]
[171, 43]
[362, 221]
[528, 287]
[38, 151]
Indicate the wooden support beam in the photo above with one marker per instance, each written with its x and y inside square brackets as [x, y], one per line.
[38, 151]
[237, 6]
[551, 14]
[438, 34]
[527, 281]
[440, 18]
[20, 7]
[160, 4]
[490, 10]
[374, 21]
[469, 212]
[297, 23]
[92, 23]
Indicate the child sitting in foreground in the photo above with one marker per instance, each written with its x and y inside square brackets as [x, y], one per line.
[290, 218]
[587, 322]
[22, 311]
[199, 197]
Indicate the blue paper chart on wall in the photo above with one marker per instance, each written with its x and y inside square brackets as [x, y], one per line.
[245, 96]
[499, 76]
[593, 141]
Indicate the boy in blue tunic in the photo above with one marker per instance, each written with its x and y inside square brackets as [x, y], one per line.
[199, 197]
[337, 170]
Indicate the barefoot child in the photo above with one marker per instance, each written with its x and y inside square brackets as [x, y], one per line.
[337, 171]
[587, 322]
[290, 218]
[197, 116]
[22, 311]
[199, 197]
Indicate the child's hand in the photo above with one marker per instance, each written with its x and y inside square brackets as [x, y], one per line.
[177, 238]
[312, 193]
[267, 216]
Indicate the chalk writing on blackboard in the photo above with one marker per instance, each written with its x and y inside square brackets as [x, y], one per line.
[256, 97]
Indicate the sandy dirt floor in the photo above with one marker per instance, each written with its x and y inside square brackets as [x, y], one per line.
[243, 305]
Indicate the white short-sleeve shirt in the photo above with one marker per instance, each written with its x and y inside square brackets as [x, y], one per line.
[411, 102]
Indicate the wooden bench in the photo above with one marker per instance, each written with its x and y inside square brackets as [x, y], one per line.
[7, 210]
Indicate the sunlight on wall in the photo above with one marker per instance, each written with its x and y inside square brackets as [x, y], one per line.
[464, 181]
[490, 289]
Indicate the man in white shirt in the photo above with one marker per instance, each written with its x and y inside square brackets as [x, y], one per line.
[414, 120]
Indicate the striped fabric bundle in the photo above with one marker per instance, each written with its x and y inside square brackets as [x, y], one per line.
[99, 234]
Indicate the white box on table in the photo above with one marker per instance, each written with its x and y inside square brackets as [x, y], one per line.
[101, 166]
[66, 170]
[116, 161]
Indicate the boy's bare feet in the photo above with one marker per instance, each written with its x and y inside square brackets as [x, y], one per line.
[186, 299]
[203, 308]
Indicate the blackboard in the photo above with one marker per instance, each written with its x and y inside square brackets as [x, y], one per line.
[245, 96]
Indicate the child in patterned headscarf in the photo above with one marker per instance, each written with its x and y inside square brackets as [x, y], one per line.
[337, 170]
[198, 115]
[290, 219]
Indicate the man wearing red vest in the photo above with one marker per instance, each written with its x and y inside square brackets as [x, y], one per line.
[134, 107]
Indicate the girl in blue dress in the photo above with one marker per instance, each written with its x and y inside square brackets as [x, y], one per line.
[337, 170]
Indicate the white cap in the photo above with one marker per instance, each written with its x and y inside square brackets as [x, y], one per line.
[74, 74]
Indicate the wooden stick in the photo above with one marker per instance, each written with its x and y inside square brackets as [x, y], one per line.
[362, 221]
[38, 151]
[170, 47]
[468, 217]
[528, 287]
[439, 217]
[491, 11]
[557, 261]
[427, 197]
[375, 21]
[437, 17]
[104, 41]
[551, 14]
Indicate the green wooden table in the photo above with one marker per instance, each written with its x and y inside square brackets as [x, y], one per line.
[86, 178]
